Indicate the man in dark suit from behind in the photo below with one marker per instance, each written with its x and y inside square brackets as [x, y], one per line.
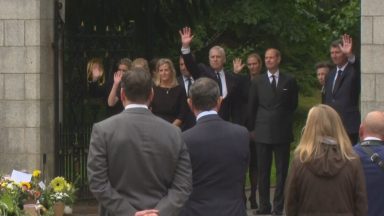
[342, 86]
[138, 164]
[273, 98]
[186, 80]
[219, 154]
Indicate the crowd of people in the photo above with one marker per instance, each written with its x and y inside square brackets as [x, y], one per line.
[183, 145]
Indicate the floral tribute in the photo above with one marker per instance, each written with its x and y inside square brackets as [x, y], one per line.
[14, 196]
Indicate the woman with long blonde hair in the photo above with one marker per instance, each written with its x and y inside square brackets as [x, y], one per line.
[326, 176]
[169, 101]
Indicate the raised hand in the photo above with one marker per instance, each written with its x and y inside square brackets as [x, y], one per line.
[346, 48]
[186, 37]
[117, 77]
[237, 65]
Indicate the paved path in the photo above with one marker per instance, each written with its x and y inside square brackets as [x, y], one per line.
[89, 207]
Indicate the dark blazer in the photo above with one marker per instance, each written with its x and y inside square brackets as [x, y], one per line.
[233, 83]
[345, 98]
[138, 161]
[270, 114]
[190, 119]
[219, 152]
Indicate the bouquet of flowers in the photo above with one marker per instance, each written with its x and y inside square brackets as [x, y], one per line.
[60, 190]
[15, 195]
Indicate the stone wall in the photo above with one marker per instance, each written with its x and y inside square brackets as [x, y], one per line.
[372, 55]
[26, 84]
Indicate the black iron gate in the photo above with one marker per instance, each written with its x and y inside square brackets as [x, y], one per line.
[76, 42]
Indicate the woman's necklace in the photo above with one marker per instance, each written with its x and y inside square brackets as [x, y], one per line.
[167, 88]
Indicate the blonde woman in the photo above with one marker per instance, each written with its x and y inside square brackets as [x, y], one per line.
[96, 78]
[326, 177]
[169, 101]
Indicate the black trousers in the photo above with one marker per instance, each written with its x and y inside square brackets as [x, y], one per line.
[253, 171]
[281, 153]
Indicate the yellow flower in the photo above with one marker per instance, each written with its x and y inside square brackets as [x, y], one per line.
[36, 173]
[25, 185]
[58, 184]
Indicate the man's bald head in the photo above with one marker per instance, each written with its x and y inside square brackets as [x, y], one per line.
[373, 125]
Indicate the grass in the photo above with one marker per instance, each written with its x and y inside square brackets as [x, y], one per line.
[305, 103]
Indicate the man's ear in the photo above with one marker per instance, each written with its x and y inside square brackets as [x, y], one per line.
[123, 97]
[151, 95]
[190, 104]
[218, 103]
[361, 132]
[189, 101]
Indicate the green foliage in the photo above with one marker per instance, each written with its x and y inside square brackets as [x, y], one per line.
[301, 29]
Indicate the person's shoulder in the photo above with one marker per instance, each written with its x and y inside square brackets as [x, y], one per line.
[287, 75]
[235, 127]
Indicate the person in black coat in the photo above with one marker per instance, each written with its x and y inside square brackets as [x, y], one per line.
[219, 155]
[273, 98]
[228, 83]
[186, 80]
[342, 86]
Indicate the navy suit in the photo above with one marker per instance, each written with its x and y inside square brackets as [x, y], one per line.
[190, 119]
[374, 178]
[219, 156]
[345, 97]
[232, 82]
[271, 118]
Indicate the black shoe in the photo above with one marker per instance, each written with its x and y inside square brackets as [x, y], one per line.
[263, 212]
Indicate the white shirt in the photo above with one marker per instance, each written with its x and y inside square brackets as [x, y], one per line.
[185, 79]
[276, 76]
[130, 106]
[205, 113]
[371, 138]
[223, 83]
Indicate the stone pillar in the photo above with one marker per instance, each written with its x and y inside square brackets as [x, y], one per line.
[372, 56]
[26, 85]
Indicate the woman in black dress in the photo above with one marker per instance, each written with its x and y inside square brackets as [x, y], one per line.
[169, 101]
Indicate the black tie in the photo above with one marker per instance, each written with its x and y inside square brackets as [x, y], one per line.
[189, 83]
[273, 83]
[219, 82]
[337, 82]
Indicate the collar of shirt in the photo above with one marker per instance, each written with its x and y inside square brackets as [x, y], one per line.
[371, 138]
[205, 113]
[220, 72]
[342, 68]
[276, 74]
[130, 106]
[185, 78]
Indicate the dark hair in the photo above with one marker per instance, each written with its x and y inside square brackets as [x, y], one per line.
[137, 85]
[204, 93]
[323, 64]
[125, 61]
[336, 43]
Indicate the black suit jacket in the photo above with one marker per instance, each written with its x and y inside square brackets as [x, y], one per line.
[232, 81]
[190, 119]
[345, 97]
[219, 152]
[271, 114]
